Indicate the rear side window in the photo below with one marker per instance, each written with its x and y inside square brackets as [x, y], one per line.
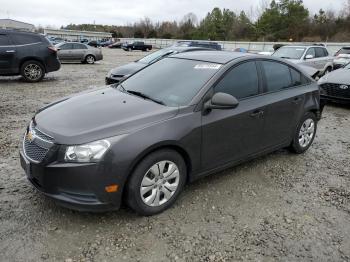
[320, 52]
[242, 81]
[277, 76]
[66, 46]
[79, 46]
[4, 40]
[22, 39]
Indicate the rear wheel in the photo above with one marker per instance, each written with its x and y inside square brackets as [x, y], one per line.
[90, 59]
[32, 71]
[156, 182]
[305, 133]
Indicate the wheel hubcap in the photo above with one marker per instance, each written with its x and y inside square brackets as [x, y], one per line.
[90, 59]
[306, 132]
[160, 183]
[32, 71]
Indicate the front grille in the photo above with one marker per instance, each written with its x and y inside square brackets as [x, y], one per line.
[36, 144]
[335, 90]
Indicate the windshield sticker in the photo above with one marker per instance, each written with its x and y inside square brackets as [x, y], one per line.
[207, 66]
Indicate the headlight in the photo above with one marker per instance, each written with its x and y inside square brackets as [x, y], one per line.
[90, 152]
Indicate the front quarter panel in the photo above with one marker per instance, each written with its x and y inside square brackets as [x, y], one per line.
[181, 132]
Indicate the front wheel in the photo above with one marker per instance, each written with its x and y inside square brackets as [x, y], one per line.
[305, 133]
[90, 59]
[32, 71]
[156, 182]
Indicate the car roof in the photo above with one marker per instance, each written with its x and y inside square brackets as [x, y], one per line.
[303, 46]
[219, 57]
[5, 31]
[187, 48]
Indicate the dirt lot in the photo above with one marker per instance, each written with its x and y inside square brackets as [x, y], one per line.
[281, 207]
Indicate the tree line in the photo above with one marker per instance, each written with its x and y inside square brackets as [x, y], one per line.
[283, 20]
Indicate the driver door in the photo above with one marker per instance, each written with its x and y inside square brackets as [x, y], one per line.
[233, 134]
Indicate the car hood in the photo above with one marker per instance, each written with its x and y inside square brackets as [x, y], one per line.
[127, 69]
[339, 76]
[100, 114]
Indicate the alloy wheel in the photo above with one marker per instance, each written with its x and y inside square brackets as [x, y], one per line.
[33, 72]
[160, 183]
[90, 59]
[306, 132]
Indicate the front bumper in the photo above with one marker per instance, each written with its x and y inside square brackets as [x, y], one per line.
[78, 186]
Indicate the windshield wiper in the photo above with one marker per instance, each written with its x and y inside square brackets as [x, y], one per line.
[137, 93]
[285, 57]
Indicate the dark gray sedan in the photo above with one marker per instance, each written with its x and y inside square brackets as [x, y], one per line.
[336, 85]
[176, 120]
[73, 52]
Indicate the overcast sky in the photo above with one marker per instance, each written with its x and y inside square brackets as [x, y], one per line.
[120, 12]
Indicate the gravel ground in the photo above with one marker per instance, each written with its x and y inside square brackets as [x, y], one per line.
[281, 207]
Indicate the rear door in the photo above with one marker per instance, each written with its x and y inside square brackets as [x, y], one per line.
[65, 52]
[232, 134]
[7, 55]
[285, 102]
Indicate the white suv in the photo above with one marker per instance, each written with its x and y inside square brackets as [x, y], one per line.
[315, 56]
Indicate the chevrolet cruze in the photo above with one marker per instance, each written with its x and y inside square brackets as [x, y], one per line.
[179, 119]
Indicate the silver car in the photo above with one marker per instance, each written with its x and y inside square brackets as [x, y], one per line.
[78, 52]
[315, 56]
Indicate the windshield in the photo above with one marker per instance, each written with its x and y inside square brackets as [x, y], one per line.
[344, 51]
[290, 52]
[155, 55]
[172, 81]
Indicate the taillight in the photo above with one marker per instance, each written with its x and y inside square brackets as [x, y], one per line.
[53, 48]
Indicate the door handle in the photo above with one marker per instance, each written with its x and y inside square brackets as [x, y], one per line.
[257, 113]
[10, 51]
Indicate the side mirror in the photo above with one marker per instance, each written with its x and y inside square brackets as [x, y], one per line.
[309, 56]
[221, 101]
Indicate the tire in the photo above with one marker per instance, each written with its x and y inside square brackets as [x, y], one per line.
[90, 59]
[32, 71]
[159, 192]
[305, 133]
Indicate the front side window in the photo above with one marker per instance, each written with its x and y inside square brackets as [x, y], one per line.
[172, 81]
[311, 51]
[277, 76]
[4, 40]
[241, 82]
